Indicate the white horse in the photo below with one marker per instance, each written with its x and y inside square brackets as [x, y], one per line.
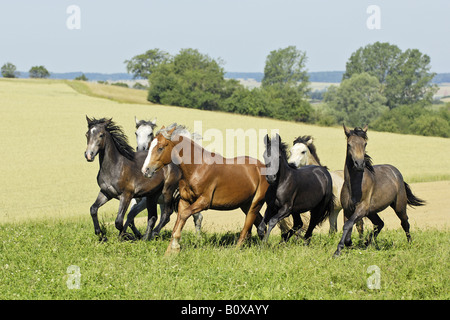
[144, 136]
[303, 153]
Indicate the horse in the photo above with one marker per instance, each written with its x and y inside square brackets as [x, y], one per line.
[369, 189]
[303, 153]
[119, 174]
[144, 135]
[295, 191]
[209, 181]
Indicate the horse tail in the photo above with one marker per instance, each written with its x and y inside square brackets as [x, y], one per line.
[176, 200]
[412, 199]
[329, 208]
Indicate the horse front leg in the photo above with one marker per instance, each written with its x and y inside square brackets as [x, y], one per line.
[347, 229]
[282, 213]
[184, 212]
[125, 200]
[135, 210]
[101, 200]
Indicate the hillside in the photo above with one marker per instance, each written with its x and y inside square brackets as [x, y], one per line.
[45, 175]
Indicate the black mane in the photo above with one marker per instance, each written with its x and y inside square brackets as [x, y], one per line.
[311, 146]
[118, 136]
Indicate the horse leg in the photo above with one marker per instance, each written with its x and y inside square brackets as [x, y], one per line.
[184, 212]
[198, 218]
[298, 224]
[166, 211]
[378, 224]
[282, 213]
[101, 200]
[347, 229]
[252, 217]
[333, 220]
[135, 210]
[125, 199]
[401, 214]
[152, 215]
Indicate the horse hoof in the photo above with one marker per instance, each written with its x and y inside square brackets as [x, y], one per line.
[127, 237]
[336, 254]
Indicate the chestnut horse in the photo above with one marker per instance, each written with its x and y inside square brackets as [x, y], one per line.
[209, 181]
[369, 189]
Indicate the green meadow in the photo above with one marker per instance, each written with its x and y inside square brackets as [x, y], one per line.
[48, 187]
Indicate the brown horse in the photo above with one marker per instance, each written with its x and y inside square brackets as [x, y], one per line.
[209, 181]
[369, 189]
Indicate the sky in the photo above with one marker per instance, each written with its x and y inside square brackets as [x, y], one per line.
[240, 32]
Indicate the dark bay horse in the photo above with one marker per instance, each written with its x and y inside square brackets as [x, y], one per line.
[172, 175]
[119, 174]
[209, 181]
[293, 191]
[370, 189]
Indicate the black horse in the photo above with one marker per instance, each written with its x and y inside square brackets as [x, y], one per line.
[293, 191]
[120, 175]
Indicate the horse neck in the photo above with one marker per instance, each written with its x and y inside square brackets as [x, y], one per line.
[283, 167]
[109, 155]
[353, 179]
[188, 153]
[312, 160]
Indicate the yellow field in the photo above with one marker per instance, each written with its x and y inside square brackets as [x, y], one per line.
[44, 173]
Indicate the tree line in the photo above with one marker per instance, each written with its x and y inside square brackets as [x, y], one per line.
[383, 86]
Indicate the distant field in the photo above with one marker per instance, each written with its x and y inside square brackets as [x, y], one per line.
[45, 175]
[48, 187]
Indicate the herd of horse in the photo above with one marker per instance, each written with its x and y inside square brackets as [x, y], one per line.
[163, 170]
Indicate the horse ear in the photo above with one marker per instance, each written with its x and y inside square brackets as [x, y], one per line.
[171, 131]
[309, 142]
[346, 130]
[89, 121]
[136, 120]
[365, 128]
[108, 121]
[154, 121]
[266, 139]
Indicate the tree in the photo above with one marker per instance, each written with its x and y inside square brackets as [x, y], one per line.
[82, 77]
[39, 72]
[142, 65]
[357, 100]
[286, 67]
[9, 71]
[191, 79]
[405, 77]
[286, 81]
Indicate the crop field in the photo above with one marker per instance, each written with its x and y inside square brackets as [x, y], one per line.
[48, 187]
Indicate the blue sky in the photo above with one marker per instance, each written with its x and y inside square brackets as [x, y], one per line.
[241, 32]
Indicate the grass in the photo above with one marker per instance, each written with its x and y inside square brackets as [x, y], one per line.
[34, 258]
[48, 187]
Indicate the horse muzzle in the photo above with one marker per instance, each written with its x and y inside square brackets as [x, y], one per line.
[148, 172]
[89, 156]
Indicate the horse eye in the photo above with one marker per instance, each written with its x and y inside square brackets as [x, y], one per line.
[160, 149]
[102, 135]
[303, 152]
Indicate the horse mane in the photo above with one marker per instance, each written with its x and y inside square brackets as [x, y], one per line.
[144, 122]
[179, 130]
[311, 146]
[368, 163]
[283, 149]
[118, 136]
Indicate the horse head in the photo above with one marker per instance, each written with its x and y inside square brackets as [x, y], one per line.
[144, 133]
[96, 136]
[356, 146]
[159, 153]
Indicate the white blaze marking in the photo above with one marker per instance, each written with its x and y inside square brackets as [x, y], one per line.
[149, 155]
